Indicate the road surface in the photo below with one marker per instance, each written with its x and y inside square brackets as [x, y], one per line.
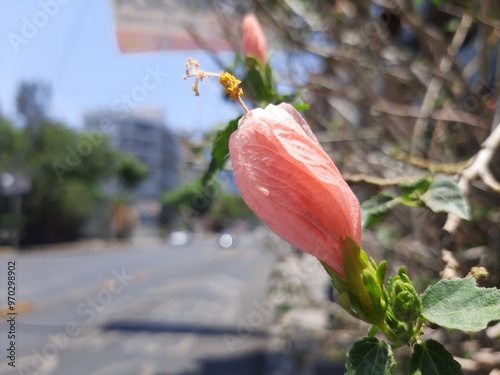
[153, 309]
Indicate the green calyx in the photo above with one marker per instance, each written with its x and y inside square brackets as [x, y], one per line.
[361, 289]
[405, 305]
[394, 311]
[405, 301]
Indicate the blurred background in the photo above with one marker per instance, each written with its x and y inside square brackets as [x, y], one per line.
[127, 264]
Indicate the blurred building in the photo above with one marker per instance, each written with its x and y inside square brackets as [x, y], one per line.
[142, 133]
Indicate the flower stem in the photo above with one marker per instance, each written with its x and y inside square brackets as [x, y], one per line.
[242, 103]
[394, 340]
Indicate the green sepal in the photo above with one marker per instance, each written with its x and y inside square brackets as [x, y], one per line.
[381, 271]
[355, 262]
[394, 312]
[301, 107]
[345, 302]
[258, 82]
[362, 293]
[374, 290]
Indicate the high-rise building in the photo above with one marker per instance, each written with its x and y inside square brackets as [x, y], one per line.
[142, 133]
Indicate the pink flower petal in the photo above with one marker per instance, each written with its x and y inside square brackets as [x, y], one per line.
[289, 181]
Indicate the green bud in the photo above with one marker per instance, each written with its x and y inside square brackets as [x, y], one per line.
[406, 307]
[394, 311]
[404, 300]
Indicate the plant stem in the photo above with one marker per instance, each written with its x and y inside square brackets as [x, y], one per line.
[394, 339]
[242, 103]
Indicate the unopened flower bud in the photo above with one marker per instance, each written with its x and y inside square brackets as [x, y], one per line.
[405, 302]
[254, 41]
[288, 180]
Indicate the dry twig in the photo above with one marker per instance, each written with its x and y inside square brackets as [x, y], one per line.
[479, 168]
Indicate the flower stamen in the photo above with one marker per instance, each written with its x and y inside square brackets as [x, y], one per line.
[227, 80]
[231, 85]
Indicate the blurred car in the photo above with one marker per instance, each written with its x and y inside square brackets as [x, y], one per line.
[180, 238]
[227, 240]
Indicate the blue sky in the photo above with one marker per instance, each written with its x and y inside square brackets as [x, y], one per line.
[77, 54]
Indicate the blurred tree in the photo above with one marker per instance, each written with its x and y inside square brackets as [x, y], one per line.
[33, 100]
[195, 200]
[131, 172]
[12, 144]
[66, 170]
[194, 197]
[231, 208]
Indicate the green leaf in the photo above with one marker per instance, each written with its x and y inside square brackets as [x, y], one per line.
[220, 152]
[431, 358]
[460, 304]
[412, 191]
[377, 208]
[369, 356]
[445, 196]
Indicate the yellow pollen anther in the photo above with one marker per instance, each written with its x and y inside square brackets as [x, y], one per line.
[228, 81]
[231, 85]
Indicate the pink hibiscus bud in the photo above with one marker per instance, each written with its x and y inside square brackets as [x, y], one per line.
[288, 180]
[254, 41]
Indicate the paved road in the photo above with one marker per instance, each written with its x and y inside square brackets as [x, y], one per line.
[148, 310]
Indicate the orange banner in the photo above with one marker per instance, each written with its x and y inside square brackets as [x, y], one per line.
[152, 25]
